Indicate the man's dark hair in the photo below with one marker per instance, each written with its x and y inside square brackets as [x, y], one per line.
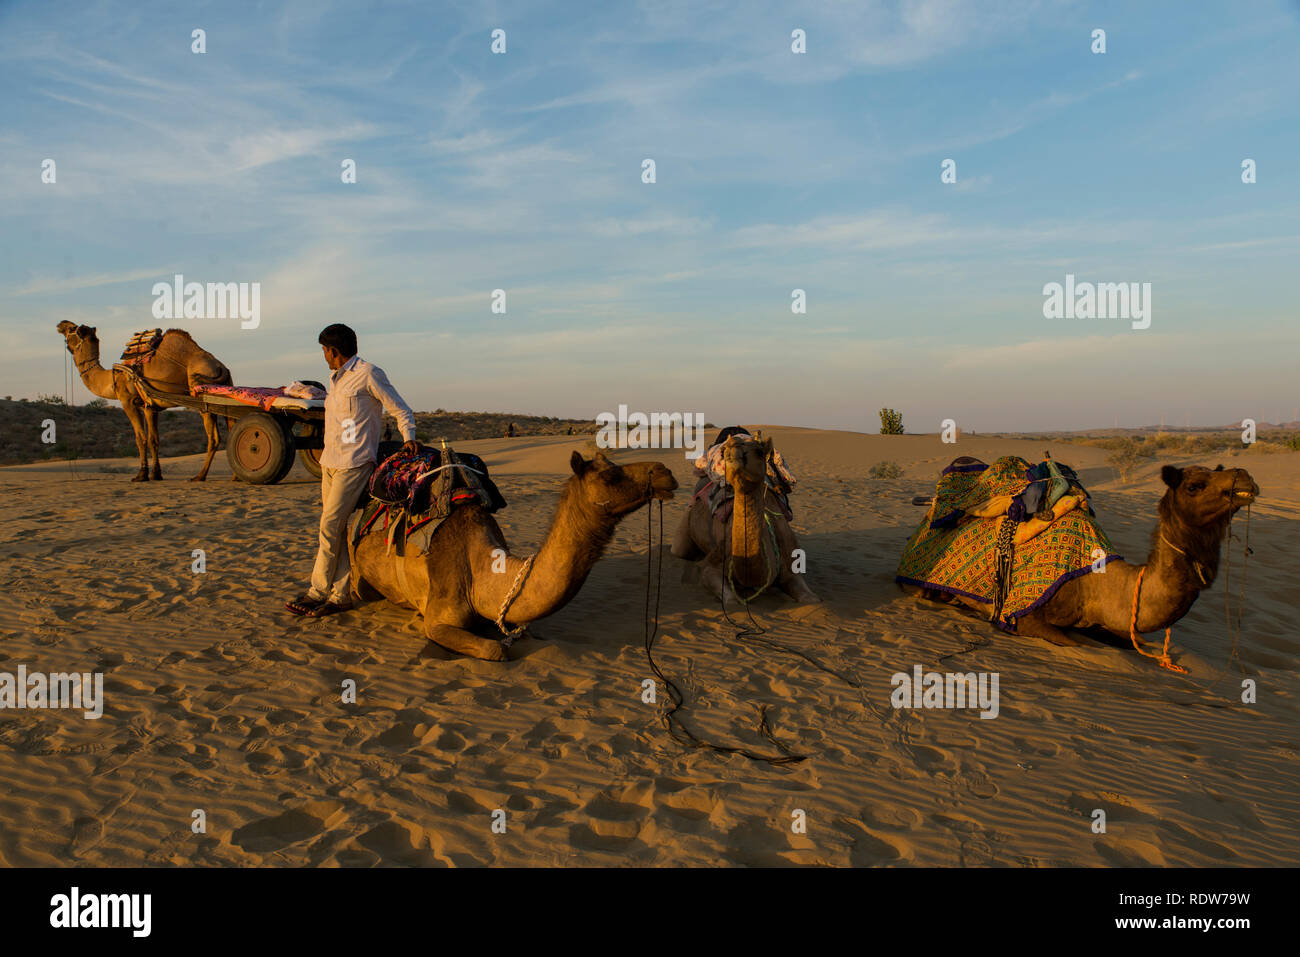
[340, 337]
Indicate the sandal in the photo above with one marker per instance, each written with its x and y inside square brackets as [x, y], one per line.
[327, 608]
[304, 604]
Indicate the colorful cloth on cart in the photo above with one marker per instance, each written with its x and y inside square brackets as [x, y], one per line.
[960, 556]
[141, 347]
[263, 398]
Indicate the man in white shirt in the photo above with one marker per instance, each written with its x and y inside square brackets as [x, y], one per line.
[359, 394]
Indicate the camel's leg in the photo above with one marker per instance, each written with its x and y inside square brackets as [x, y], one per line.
[214, 439]
[151, 419]
[684, 542]
[464, 642]
[1035, 627]
[712, 577]
[136, 417]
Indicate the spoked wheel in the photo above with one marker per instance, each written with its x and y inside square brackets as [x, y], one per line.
[260, 449]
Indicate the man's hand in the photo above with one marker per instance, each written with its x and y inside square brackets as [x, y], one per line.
[412, 447]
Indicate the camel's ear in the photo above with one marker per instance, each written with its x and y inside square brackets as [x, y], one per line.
[767, 447]
[600, 462]
[578, 463]
[1218, 468]
[1173, 477]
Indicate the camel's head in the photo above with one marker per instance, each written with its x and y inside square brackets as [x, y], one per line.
[745, 461]
[620, 489]
[1201, 496]
[79, 337]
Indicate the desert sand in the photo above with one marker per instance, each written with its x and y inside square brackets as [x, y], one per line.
[217, 699]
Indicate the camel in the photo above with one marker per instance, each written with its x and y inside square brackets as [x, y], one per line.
[469, 578]
[176, 366]
[752, 548]
[1193, 519]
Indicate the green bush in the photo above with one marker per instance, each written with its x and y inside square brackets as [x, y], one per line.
[885, 470]
[891, 422]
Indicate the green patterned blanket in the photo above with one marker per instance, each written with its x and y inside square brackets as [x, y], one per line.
[959, 555]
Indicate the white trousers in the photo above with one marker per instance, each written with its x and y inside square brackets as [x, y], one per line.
[339, 491]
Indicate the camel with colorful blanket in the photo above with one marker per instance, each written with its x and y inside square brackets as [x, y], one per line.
[1021, 542]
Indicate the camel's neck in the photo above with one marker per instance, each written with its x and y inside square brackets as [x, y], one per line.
[578, 537]
[1183, 562]
[751, 563]
[96, 378]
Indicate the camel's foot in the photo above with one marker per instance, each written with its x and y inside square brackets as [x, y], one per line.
[712, 578]
[1049, 633]
[466, 643]
[198, 478]
[143, 476]
[800, 592]
[157, 475]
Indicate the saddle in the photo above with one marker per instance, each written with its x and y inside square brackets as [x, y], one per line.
[414, 493]
[141, 347]
[722, 498]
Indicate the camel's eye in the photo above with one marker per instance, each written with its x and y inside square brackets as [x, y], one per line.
[1194, 487]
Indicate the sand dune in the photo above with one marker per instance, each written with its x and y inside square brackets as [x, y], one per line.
[217, 699]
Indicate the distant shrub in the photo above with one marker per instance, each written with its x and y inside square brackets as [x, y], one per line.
[891, 422]
[885, 470]
[1127, 456]
[50, 399]
[97, 404]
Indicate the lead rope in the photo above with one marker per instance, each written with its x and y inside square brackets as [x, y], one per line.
[677, 730]
[754, 633]
[1163, 657]
[1235, 633]
[508, 636]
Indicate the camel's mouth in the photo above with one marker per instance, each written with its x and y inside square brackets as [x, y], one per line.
[663, 486]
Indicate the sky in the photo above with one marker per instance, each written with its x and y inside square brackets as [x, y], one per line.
[774, 171]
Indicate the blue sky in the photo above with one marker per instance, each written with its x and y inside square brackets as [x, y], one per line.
[775, 171]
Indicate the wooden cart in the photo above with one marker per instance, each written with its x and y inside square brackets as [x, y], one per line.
[262, 444]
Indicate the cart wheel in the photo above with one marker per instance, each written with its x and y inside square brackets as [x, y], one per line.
[260, 449]
[310, 459]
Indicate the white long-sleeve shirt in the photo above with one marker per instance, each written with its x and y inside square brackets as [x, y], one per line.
[359, 394]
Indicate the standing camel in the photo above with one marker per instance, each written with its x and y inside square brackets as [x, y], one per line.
[468, 578]
[176, 366]
[751, 549]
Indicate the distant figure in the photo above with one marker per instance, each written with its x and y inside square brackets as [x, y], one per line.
[510, 432]
[570, 430]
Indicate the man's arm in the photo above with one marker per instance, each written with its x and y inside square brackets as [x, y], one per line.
[393, 403]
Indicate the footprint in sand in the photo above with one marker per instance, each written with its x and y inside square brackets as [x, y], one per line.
[614, 819]
[284, 830]
[401, 842]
